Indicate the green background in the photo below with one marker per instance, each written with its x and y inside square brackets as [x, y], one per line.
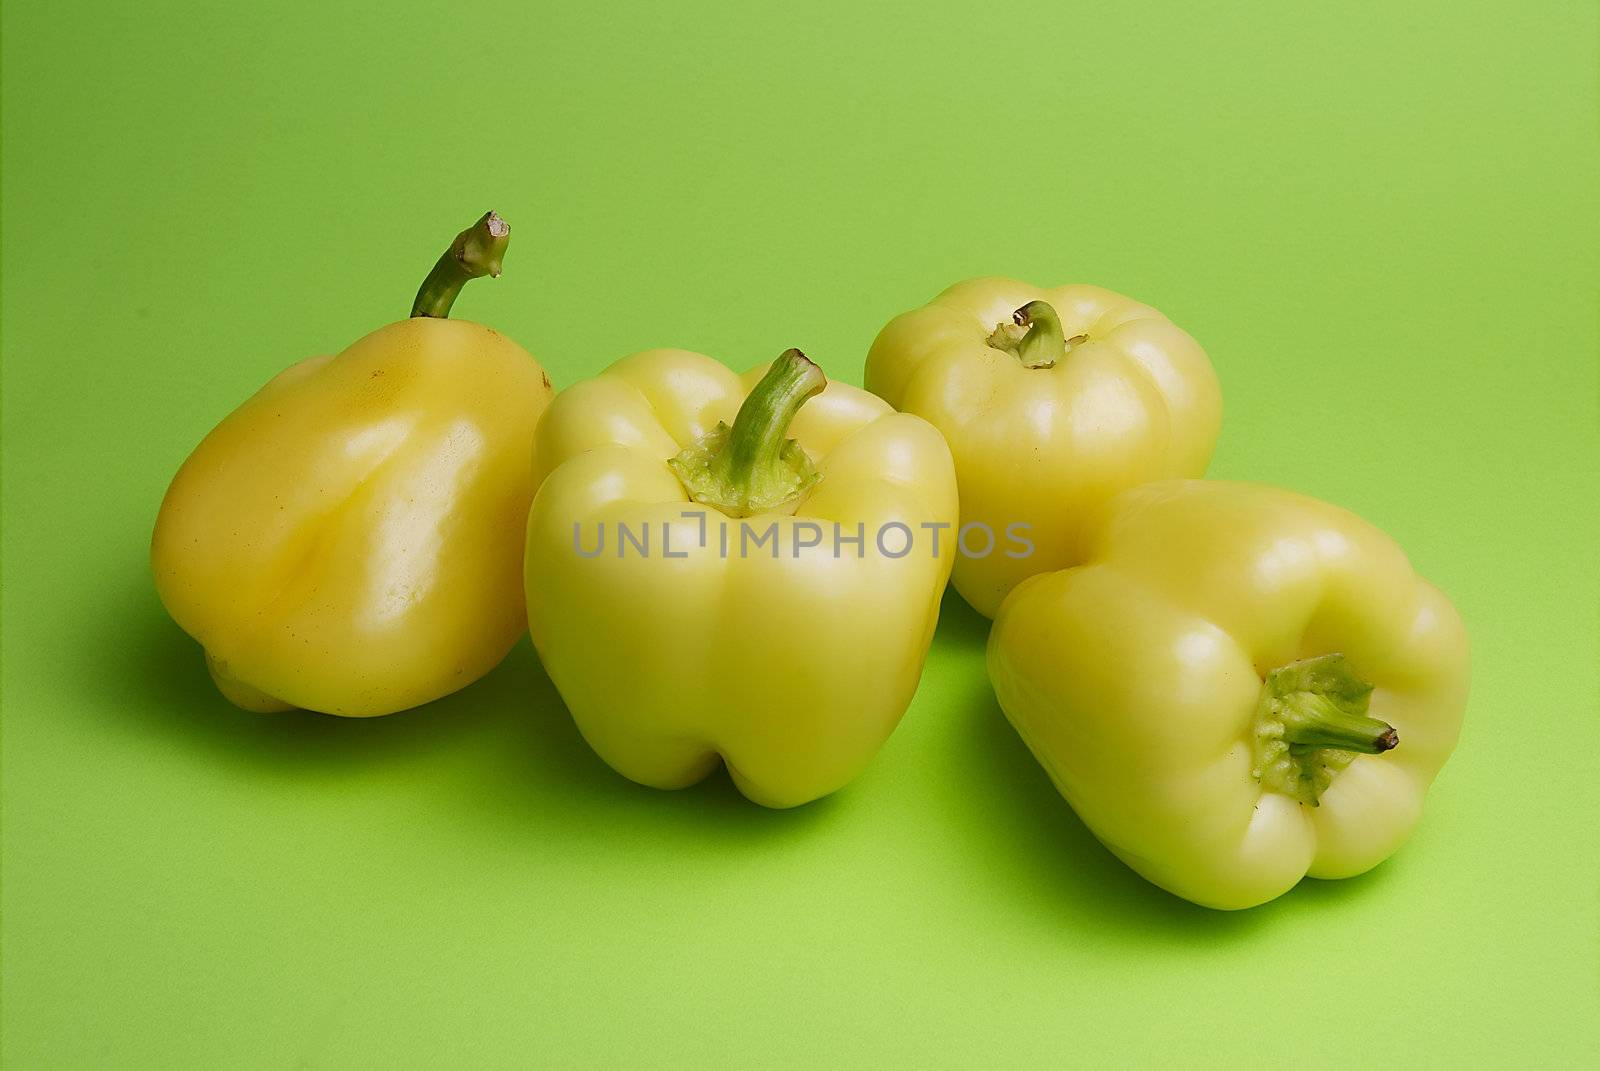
[1379, 218]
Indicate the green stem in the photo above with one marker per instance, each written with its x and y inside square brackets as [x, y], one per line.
[1046, 341]
[754, 467]
[1313, 720]
[476, 252]
[761, 428]
[1040, 343]
[1310, 723]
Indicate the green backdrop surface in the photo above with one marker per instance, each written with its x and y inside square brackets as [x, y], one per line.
[1379, 218]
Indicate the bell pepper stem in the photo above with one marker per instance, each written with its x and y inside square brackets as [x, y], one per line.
[1312, 720]
[754, 467]
[1045, 343]
[1310, 723]
[1035, 336]
[475, 252]
[762, 425]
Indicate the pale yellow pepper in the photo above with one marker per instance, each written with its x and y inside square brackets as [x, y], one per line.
[1052, 401]
[349, 540]
[688, 590]
[1239, 687]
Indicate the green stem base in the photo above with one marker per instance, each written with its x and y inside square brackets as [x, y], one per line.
[754, 467]
[1310, 723]
[1035, 336]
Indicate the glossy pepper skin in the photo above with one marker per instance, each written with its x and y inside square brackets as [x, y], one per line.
[1240, 686]
[1052, 401]
[791, 667]
[349, 540]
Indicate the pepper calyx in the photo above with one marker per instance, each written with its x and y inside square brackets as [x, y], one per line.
[1035, 336]
[1310, 722]
[753, 467]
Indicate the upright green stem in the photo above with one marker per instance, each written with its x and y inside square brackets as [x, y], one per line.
[754, 467]
[761, 427]
[476, 251]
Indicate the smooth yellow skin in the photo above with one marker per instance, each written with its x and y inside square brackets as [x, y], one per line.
[1045, 447]
[349, 540]
[1134, 680]
[791, 671]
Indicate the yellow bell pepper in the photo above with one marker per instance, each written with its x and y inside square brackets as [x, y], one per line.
[349, 539]
[1052, 401]
[1240, 686]
[704, 588]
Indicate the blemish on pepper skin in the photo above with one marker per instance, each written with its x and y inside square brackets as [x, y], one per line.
[546, 377]
[376, 372]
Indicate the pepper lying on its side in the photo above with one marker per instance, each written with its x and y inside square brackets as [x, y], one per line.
[349, 540]
[1239, 687]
